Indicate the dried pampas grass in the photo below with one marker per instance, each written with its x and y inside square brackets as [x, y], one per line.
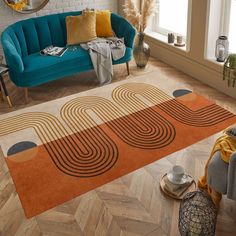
[148, 9]
[132, 14]
[139, 19]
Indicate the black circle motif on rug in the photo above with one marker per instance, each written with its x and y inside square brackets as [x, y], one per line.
[181, 92]
[20, 147]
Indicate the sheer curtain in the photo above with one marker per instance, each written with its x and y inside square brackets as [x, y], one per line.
[232, 27]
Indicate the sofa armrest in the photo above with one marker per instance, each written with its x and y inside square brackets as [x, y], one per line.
[231, 190]
[123, 29]
[13, 58]
[217, 176]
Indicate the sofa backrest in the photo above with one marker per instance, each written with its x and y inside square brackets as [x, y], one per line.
[34, 34]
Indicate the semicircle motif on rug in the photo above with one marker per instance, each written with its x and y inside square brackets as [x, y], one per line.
[95, 140]
[20, 147]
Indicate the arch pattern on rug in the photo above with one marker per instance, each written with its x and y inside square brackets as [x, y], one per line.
[126, 95]
[86, 154]
[134, 129]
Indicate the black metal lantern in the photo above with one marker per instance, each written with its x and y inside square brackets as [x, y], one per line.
[222, 48]
[197, 215]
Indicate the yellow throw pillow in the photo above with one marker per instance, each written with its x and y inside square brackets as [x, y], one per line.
[103, 23]
[81, 29]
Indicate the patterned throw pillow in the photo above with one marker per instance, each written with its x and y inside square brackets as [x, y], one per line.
[81, 29]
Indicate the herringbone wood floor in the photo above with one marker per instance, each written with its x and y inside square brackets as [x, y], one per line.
[132, 205]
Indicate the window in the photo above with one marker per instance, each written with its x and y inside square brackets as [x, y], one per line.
[228, 22]
[172, 16]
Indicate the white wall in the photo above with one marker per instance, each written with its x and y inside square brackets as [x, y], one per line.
[8, 16]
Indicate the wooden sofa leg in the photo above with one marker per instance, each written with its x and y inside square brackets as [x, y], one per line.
[127, 67]
[1, 93]
[26, 95]
[3, 87]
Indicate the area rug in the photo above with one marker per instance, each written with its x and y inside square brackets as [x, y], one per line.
[61, 149]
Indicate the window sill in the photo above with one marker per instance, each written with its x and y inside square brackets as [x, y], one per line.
[154, 36]
[214, 61]
[161, 41]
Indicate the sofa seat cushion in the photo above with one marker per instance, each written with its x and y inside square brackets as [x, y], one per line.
[40, 69]
[36, 62]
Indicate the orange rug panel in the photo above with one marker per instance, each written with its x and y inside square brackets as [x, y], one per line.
[45, 176]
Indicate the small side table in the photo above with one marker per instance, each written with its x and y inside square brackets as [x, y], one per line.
[4, 70]
[192, 187]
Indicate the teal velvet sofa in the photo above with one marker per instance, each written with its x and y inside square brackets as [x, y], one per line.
[23, 40]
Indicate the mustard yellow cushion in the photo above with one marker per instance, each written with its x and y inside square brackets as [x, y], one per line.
[81, 29]
[103, 23]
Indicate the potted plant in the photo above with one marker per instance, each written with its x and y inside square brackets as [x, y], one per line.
[139, 19]
[229, 71]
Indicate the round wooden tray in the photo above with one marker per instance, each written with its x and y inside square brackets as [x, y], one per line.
[191, 188]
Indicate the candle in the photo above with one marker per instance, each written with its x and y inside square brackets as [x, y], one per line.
[221, 53]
